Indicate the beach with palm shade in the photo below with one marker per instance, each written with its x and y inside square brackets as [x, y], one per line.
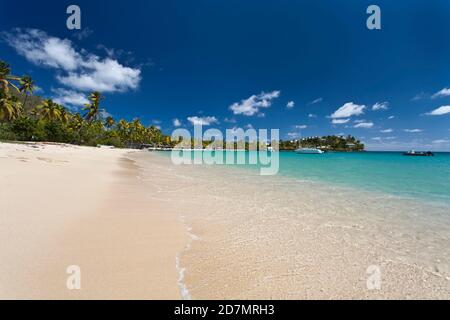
[78, 188]
[65, 184]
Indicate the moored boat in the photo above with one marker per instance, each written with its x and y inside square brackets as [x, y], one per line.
[419, 153]
[309, 151]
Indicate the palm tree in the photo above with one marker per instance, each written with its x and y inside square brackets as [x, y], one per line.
[49, 110]
[167, 141]
[122, 125]
[64, 114]
[137, 131]
[109, 122]
[122, 129]
[10, 107]
[76, 122]
[27, 87]
[6, 78]
[92, 108]
[152, 131]
[155, 134]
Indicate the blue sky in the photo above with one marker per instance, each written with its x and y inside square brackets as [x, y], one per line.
[305, 67]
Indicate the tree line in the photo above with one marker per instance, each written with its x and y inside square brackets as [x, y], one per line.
[26, 117]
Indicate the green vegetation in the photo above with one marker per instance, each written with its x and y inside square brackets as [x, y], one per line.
[26, 117]
[325, 143]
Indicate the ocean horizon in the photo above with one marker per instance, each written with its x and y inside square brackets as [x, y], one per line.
[390, 172]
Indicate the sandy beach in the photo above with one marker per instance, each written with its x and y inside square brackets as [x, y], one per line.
[66, 205]
[140, 227]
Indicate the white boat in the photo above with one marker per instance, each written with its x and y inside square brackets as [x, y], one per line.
[309, 151]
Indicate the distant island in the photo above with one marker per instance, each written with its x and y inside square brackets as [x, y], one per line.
[331, 143]
[325, 143]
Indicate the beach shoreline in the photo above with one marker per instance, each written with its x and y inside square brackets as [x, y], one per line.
[257, 237]
[140, 227]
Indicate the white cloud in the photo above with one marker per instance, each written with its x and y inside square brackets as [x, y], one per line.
[78, 70]
[348, 110]
[391, 117]
[440, 111]
[365, 125]
[316, 101]
[38, 90]
[442, 93]
[387, 131]
[311, 115]
[84, 33]
[383, 138]
[290, 104]
[419, 96]
[251, 106]
[413, 130]
[69, 97]
[176, 123]
[230, 120]
[102, 75]
[293, 135]
[203, 121]
[103, 114]
[249, 126]
[340, 121]
[380, 106]
[37, 47]
[441, 141]
[302, 126]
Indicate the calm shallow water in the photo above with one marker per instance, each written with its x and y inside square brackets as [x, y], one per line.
[420, 177]
[308, 227]
[424, 178]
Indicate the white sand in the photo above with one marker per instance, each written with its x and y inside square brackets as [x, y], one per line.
[140, 227]
[66, 205]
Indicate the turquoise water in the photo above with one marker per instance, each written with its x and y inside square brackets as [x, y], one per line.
[426, 178]
[390, 172]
